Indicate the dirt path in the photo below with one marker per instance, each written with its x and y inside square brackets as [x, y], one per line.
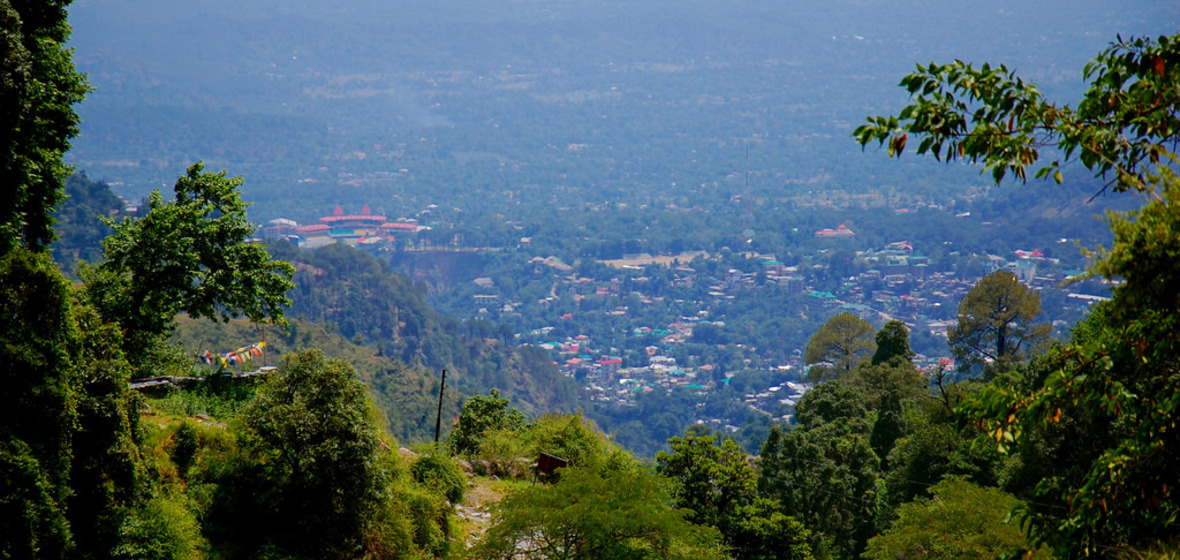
[482, 493]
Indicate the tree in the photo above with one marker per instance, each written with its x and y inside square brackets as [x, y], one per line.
[67, 415]
[190, 254]
[959, 521]
[763, 532]
[479, 416]
[826, 477]
[1118, 372]
[996, 322]
[1116, 375]
[933, 451]
[38, 346]
[830, 402]
[441, 474]
[38, 419]
[81, 229]
[894, 378]
[832, 444]
[164, 529]
[32, 519]
[1124, 123]
[109, 477]
[718, 486]
[314, 424]
[593, 513]
[843, 342]
[889, 426]
[569, 436]
[893, 342]
[713, 481]
[38, 89]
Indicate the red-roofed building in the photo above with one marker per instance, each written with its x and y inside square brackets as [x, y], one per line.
[1034, 254]
[353, 226]
[841, 231]
[391, 227]
[316, 230]
[609, 367]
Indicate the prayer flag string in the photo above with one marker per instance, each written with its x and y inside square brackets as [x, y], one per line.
[239, 356]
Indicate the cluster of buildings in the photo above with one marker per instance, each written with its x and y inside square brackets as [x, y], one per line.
[605, 380]
[365, 228]
[609, 378]
[896, 282]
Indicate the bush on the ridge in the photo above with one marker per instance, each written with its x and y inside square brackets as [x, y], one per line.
[440, 474]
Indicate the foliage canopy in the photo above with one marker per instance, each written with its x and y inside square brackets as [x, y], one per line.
[960, 520]
[843, 341]
[189, 254]
[1124, 124]
[1118, 372]
[592, 513]
[996, 321]
[38, 89]
[314, 425]
[718, 486]
[480, 415]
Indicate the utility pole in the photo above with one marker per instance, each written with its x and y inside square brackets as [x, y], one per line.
[438, 419]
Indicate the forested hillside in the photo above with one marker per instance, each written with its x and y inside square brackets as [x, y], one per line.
[406, 396]
[364, 301]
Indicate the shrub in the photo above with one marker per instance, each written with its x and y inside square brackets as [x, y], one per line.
[440, 474]
[164, 529]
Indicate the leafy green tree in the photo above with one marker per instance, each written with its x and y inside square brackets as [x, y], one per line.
[39, 343]
[713, 481]
[893, 342]
[826, 476]
[38, 89]
[80, 228]
[185, 445]
[1125, 122]
[32, 519]
[830, 402]
[959, 521]
[899, 378]
[569, 436]
[933, 450]
[1117, 375]
[1116, 372]
[441, 474]
[190, 254]
[164, 529]
[996, 322]
[314, 425]
[109, 477]
[67, 411]
[888, 427]
[763, 532]
[625, 512]
[718, 485]
[844, 341]
[480, 415]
